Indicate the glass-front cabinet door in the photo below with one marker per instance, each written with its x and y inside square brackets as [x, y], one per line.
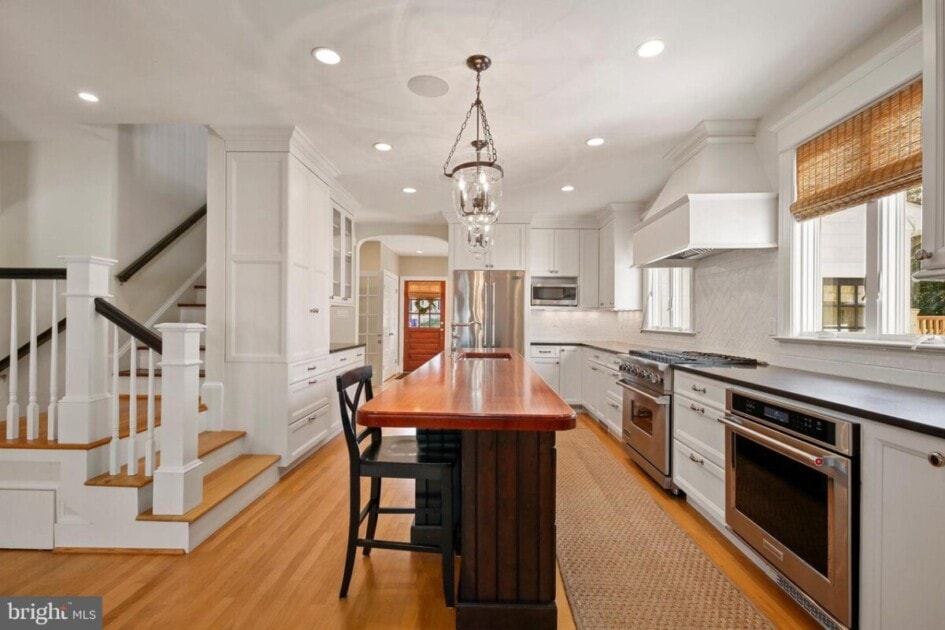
[347, 290]
[337, 244]
[342, 257]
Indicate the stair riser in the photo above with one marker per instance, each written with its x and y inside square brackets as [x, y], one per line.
[193, 314]
[221, 456]
[200, 296]
[222, 514]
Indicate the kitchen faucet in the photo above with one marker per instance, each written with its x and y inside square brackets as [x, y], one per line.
[455, 334]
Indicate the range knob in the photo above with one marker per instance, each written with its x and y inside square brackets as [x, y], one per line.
[653, 377]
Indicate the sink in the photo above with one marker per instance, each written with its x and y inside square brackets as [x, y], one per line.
[505, 356]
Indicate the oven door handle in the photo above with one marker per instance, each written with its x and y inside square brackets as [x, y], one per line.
[815, 461]
[661, 400]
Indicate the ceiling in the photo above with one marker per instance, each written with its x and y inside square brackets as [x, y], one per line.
[412, 245]
[563, 71]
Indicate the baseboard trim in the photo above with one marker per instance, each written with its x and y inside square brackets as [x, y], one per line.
[120, 551]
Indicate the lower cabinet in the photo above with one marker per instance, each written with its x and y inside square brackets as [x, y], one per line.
[549, 370]
[570, 375]
[601, 397]
[903, 512]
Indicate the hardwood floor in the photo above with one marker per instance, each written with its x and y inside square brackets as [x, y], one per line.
[279, 563]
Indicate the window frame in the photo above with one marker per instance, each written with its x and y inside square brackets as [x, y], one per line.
[680, 293]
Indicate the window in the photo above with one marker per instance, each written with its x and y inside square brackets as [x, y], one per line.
[424, 301]
[855, 272]
[669, 299]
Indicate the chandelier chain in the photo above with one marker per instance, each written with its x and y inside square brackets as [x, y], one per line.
[486, 131]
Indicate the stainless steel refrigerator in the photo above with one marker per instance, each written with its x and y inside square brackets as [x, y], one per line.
[495, 299]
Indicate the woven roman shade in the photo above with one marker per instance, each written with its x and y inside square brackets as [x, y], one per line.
[872, 154]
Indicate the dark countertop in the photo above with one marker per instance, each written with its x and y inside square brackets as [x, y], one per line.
[919, 410]
[341, 347]
[617, 347]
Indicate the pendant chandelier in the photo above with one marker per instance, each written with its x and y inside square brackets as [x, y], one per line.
[479, 241]
[477, 182]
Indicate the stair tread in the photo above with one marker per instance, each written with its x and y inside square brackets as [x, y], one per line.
[220, 485]
[144, 347]
[200, 286]
[185, 305]
[207, 442]
[157, 373]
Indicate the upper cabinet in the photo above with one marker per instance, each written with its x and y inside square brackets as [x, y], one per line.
[508, 251]
[932, 253]
[556, 252]
[342, 257]
[621, 284]
[588, 280]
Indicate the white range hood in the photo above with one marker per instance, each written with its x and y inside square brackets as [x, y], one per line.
[717, 199]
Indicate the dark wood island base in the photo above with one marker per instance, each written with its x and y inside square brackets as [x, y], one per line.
[507, 578]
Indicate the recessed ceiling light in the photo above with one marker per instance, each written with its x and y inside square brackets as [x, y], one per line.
[567, 188]
[594, 142]
[326, 55]
[382, 146]
[88, 97]
[410, 190]
[419, 251]
[650, 48]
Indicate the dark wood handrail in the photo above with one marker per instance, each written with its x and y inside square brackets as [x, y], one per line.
[125, 274]
[32, 273]
[24, 350]
[129, 324]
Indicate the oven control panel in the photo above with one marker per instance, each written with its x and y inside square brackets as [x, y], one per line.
[813, 426]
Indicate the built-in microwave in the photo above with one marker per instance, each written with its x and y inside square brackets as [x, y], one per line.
[554, 292]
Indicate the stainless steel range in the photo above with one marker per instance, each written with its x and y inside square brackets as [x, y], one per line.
[647, 381]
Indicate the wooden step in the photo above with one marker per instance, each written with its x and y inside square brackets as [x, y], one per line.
[220, 485]
[200, 286]
[185, 305]
[207, 442]
[157, 373]
[144, 347]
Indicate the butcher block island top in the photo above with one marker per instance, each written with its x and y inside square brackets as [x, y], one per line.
[494, 389]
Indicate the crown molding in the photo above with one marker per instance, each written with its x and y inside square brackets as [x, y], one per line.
[712, 132]
[279, 139]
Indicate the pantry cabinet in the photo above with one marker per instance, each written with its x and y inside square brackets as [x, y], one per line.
[508, 252]
[903, 509]
[555, 252]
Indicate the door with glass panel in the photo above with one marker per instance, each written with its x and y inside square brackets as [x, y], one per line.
[423, 321]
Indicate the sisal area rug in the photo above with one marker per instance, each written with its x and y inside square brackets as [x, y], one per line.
[624, 562]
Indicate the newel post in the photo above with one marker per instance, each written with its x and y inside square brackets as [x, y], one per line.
[83, 410]
[178, 482]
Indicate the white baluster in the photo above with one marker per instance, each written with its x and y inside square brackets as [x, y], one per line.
[133, 409]
[51, 411]
[149, 444]
[113, 464]
[32, 406]
[13, 407]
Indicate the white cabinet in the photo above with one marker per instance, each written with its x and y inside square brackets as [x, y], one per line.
[277, 268]
[621, 284]
[601, 396]
[903, 509]
[933, 137]
[588, 280]
[570, 378]
[342, 257]
[508, 251]
[555, 252]
[699, 442]
[548, 369]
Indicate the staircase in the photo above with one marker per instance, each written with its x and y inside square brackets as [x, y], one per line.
[160, 484]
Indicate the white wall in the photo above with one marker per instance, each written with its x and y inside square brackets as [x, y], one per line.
[161, 180]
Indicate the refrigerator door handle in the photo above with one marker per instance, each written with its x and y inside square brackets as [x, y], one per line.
[492, 344]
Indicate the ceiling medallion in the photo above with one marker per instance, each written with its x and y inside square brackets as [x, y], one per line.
[477, 182]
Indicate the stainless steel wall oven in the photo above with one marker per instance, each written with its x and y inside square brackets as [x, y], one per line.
[792, 494]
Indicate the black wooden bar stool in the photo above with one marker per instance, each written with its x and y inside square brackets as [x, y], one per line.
[399, 457]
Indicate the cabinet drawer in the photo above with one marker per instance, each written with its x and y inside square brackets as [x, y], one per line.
[312, 392]
[306, 432]
[699, 389]
[545, 352]
[348, 358]
[701, 480]
[308, 369]
[697, 425]
[608, 359]
[609, 379]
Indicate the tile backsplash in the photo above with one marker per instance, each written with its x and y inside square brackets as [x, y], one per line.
[736, 301]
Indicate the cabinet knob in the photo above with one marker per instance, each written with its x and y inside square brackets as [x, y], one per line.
[314, 311]
[922, 254]
[937, 459]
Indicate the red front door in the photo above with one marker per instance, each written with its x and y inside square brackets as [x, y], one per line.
[423, 321]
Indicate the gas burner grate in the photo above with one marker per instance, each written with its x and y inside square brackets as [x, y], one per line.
[672, 357]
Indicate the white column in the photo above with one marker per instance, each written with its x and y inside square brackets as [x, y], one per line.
[178, 482]
[83, 410]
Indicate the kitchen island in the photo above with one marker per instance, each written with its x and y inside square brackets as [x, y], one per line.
[507, 416]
